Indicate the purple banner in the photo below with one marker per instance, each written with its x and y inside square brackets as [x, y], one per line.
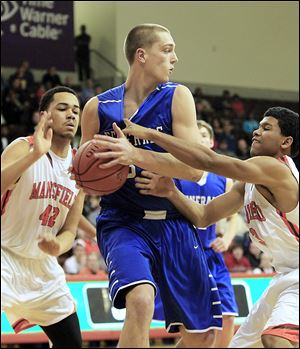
[41, 32]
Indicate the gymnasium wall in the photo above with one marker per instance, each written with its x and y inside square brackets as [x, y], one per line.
[252, 47]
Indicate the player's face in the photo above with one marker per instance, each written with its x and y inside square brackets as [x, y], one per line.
[161, 58]
[65, 113]
[267, 139]
[205, 138]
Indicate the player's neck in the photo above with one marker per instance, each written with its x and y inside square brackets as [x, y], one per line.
[137, 87]
[60, 147]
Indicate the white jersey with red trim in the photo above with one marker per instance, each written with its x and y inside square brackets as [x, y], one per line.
[274, 232]
[39, 202]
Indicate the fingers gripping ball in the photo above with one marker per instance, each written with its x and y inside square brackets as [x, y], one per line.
[95, 180]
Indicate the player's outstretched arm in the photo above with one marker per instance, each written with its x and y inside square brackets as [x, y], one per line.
[200, 215]
[120, 151]
[18, 156]
[264, 170]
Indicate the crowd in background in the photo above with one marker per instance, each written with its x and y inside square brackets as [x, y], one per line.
[233, 119]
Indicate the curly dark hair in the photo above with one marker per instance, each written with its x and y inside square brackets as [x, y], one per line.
[288, 121]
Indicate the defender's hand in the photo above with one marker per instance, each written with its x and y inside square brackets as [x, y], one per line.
[153, 184]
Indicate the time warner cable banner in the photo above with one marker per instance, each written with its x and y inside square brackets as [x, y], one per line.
[38, 31]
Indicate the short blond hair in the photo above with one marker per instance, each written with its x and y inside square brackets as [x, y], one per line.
[141, 36]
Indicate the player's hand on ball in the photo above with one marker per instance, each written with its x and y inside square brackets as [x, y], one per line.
[119, 150]
[153, 184]
[49, 244]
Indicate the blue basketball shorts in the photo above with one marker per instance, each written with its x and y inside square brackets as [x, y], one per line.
[221, 275]
[166, 254]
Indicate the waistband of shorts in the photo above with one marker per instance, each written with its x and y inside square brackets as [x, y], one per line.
[146, 214]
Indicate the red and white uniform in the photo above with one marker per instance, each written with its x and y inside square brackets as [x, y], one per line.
[34, 290]
[277, 234]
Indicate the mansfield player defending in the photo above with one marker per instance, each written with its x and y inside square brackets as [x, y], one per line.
[267, 187]
[144, 239]
[203, 191]
[40, 211]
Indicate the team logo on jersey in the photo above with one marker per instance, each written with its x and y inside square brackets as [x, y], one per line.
[254, 212]
[52, 190]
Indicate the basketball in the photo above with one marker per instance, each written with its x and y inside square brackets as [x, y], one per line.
[95, 180]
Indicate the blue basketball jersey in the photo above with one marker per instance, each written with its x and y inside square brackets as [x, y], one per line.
[154, 112]
[208, 187]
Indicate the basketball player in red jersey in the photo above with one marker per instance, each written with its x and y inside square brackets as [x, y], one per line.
[40, 211]
[268, 188]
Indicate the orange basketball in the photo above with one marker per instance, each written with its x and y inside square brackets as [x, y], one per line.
[95, 180]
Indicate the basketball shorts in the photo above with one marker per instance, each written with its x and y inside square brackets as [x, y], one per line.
[166, 254]
[33, 291]
[222, 277]
[275, 313]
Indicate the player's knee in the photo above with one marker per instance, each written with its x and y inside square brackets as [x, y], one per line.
[140, 300]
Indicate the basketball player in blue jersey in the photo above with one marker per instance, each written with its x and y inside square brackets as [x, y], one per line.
[144, 239]
[208, 187]
[203, 191]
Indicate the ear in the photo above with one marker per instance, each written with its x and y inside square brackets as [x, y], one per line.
[212, 143]
[141, 55]
[287, 143]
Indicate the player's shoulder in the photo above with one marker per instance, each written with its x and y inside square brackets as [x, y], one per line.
[269, 163]
[114, 94]
[20, 144]
[182, 92]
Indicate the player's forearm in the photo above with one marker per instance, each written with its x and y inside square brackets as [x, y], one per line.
[231, 229]
[192, 154]
[87, 227]
[66, 239]
[191, 210]
[11, 173]
[165, 165]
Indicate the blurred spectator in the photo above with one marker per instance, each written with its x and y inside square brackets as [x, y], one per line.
[4, 134]
[75, 263]
[51, 78]
[223, 148]
[265, 265]
[69, 81]
[93, 267]
[243, 149]
[236, 261]
[228, 136]
[91, 208]
[253, 254]
[223, 104]
[98, 89]
[82, 53]
[237, 106]
[203, 106]
[40, 90]
[249, 125]
[87, 92]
